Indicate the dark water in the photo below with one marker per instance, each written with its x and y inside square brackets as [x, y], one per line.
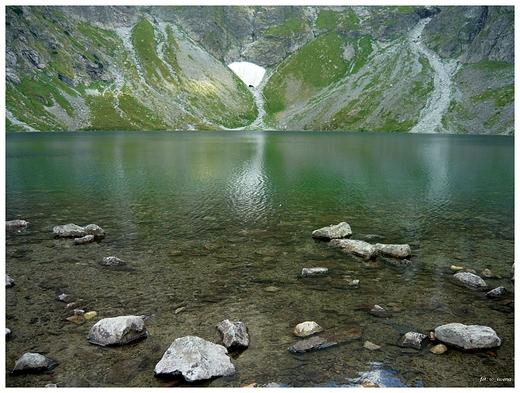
[218, 225]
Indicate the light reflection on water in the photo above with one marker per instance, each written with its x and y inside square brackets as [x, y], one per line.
[218, 225]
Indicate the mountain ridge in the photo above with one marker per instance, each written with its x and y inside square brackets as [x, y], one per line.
[328, 68]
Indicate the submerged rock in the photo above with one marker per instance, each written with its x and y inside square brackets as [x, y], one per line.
[337, 231]
[470, 280]
[356, 247]
[9, 282]
[379, 311]
[413, 340]
[195, 359]
[438, 349]
[314, 271]
[15, 225]
[234, 334]
[85, 239]
[467, 336]
[496, 293]
[311, 344]
[112, 261]
[33, 363]
[117, 330]
[73, 230]
[371, 346]
[394, 250]
[307, 328]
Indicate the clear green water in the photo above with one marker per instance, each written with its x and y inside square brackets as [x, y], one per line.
[218, 225]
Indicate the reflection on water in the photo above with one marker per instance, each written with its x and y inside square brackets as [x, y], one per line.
[217, 225]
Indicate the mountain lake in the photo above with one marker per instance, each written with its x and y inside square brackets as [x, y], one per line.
[217, 225]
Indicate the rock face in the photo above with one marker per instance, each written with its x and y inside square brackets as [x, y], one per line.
[196, 359]
[311, 344]
[33, 363]
[394, 250]
[73, 230]
[234, 334]
[470, 280]
[117, 330]
[314, 271]
[467, 336]
[307, 328]
[413, 340]
[15, 225]
[338, 231]
[356, 247]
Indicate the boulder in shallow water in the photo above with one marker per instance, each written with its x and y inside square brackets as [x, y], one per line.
[112, 261]
[470, 280]
[15, 225]
[337, 231]
[413, 340]
[9, 282]
[117, 330]
[496, 293]
[356, 247]
[314, 271]
[83, 240]
[31, 362]
[73, 230]
[467, 337]
[195, 359]
[93, 229]
[307, 328]
[234, 334]
[311, 344]
[394, 250]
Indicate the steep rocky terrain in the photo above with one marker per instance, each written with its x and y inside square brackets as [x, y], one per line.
[441, 69]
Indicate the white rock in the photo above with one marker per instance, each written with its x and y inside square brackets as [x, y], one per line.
[234, 334]
[196, 359]
[117, 330]
[394, 250]
[467, 336]
[337, 231]
[314, 271]
[356, 247]
[307, 328]
[470, 280]
[33, 362]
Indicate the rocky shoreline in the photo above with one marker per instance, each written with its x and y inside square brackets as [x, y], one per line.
[195, 358]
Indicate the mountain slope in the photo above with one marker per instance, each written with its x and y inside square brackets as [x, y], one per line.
[397, 69]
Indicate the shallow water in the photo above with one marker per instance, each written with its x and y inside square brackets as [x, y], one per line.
[217, 225]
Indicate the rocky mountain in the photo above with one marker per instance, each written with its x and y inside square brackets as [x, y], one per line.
[362, 68]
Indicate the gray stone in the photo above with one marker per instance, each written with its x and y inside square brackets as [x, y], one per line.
[496, 293]
[371, 346]
[470, 280]
[196, 359]
[467, 336]
[314, 271]
[379, 311]
[15, 225]
[112, 261]
[83, 240]
[9, 282]
[356, 247]
[234, 334]
[117, 330]
[69, 230]
[413, 340]
[93, 229]
[338, 231]
[307, 328]
[394, 250]
[33, 363]
[311, 344]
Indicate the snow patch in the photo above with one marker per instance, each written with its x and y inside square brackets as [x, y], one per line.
[251, 74]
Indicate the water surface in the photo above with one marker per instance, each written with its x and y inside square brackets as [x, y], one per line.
[217, 225]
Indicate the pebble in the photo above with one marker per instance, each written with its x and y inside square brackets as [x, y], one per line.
[314, 271]
[371, 346]
[456, 268]
[307, 328]
[438, 349]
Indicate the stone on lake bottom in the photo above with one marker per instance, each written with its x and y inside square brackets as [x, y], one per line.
[311, 344]
[112, 261]
[9, 282]
[314, 271]
[15, 225]
[83, 240]
[470, 280]
[307, 328]
[117, 330]
[371, 346]
[337, 231]
[195, 359]
[33, 363]
[234, 334]
[467, 337]
[413, 340]
[379, 311]
[438, 349]
[496, 293]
